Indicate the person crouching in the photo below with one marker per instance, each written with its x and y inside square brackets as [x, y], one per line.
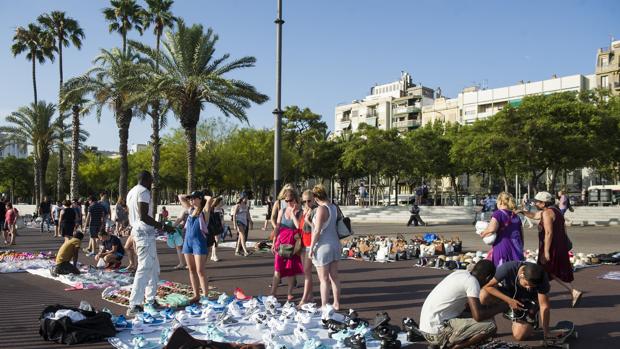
[67, 256]
[113, 250]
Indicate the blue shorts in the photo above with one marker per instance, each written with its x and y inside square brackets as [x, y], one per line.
[195, 244]
[118, 255]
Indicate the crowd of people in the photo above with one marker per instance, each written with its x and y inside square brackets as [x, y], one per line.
[304, 238]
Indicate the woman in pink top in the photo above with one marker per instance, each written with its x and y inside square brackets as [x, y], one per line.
[10, 219]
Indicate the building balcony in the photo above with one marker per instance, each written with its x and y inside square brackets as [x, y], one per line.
[617, 85]
[406, 110]
[407, 124]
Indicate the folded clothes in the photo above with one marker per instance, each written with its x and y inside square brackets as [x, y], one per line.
[75, 316]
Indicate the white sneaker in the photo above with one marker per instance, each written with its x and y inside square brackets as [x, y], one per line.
[234, 310]
[310, 308]
[259, 319]
[303, 318]
[214, 258]
[301, 334]
[327, 312]
[288, 313]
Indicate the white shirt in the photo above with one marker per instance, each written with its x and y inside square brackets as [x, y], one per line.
[448, 300]
[138, 194]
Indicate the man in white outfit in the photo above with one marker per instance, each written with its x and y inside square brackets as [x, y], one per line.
[143, 230]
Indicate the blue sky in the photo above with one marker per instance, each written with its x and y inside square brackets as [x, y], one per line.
[334, 51]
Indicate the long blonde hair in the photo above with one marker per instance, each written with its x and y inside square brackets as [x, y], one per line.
[506, 199]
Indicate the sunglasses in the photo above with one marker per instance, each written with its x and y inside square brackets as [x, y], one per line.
[289, 200]
[309, 201]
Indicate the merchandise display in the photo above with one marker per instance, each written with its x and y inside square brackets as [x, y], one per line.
[385, 249]
[18, 262]
[263, 320]
[169, 294]
[90, 278]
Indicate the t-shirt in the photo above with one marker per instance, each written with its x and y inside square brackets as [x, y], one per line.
[10, 216]
[68, 250]
[57, 210]
[136, 195]
[114, 241]
[563, 202]
[46, 207]
[447, 300]
[506, 276]
[96, 212]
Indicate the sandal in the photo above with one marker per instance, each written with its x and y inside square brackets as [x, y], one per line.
[178, 267]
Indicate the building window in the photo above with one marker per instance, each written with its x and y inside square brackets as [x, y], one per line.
[604, 82]
[604, 61]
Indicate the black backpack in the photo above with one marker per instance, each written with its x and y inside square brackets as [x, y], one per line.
[96, 326]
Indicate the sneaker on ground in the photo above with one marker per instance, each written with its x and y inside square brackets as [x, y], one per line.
[135, 310]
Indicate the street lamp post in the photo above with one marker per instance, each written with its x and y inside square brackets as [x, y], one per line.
[277, 112]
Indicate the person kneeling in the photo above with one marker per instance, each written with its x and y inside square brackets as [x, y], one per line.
[524, 287]
[113, 250]
[68, 253]
[440, 322]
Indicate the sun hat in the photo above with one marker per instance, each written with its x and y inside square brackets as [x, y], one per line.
[543, 196]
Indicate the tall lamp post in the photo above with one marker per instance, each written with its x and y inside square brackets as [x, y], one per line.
[277, 112]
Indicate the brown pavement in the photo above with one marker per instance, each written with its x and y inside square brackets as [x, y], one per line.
[398, 288]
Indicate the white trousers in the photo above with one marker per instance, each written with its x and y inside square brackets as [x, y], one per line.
[147, 275]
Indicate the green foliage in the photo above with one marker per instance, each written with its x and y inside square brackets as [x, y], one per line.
[98, 172]
[16, 178]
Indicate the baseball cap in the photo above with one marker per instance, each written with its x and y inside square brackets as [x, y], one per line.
[196, 194]
[544, 196]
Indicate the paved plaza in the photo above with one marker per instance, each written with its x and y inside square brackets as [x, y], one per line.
[398, 288]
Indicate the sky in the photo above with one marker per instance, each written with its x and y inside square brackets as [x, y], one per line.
[334, 51]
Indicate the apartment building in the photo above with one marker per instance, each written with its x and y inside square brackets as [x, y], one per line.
[396, 104]
[20, 151]
[444, 110]
[608, 67]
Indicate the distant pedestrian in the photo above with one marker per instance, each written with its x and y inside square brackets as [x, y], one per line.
[77, 207]
[94, 222]
[564, 202]
[526, 205]
[45, 210]
[66, 221]
[216, 224]
[121, 219]
[2, 214]
[242, 220]
[10, 220]
[55, 218]
[163, 215]
[363, 193]
[269, 203]
[415, 216]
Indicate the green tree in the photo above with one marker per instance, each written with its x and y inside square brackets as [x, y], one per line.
[159, 15]
[113, 82]
[123, 16]
[34, 126]
[192, 76]
[98, 172]
[38, 46]
[16, 177]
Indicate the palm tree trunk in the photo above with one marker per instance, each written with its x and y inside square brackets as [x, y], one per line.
[34, 79]
[123, 135]
[190, 135]
[155, 154]
[60, 181]
[35, 164]
[45, 156]
[75, 151]
[60, 65]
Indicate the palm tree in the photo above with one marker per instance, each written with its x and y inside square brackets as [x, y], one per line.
[34, 125]
[38, 46]
[191, 76]
[64, 31]
[75, 101]
[64, 131]
[123, 16]
[113, 83]
[158, 14]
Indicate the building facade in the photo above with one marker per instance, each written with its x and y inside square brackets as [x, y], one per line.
[608, 67]
[20, 151]
[394, 105]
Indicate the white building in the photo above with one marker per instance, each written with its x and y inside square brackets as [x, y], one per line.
[476, 104]
[136, 148]
[20, 151]
[394, 105]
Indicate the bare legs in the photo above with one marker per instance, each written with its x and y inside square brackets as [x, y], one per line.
[181, 264]
[241, 233]
[307, 261]
[276, 281]
[214, 249]
[131, 254]
[196, 265]
[328, 277]
[520, 330]
[575, 293]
